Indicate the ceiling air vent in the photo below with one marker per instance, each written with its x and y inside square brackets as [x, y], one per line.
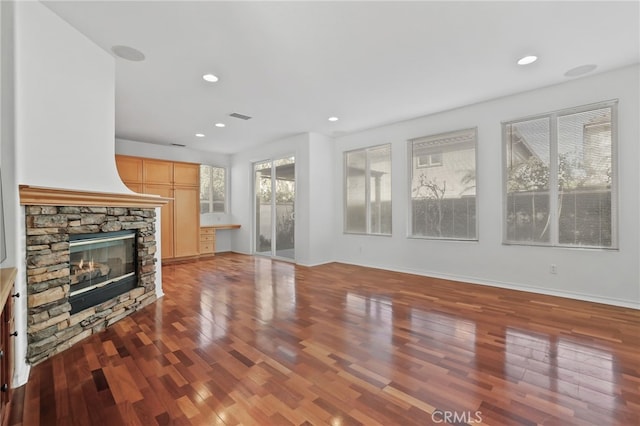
[178, 144]
[240, 116]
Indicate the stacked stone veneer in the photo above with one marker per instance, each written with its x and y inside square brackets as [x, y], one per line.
[51, 328]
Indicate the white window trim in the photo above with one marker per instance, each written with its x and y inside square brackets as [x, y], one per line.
[553, 178]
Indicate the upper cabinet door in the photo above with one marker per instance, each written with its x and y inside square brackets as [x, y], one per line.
[129, 168]
[158, 171]
[186, 174]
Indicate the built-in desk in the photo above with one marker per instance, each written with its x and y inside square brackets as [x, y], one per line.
[208, 238]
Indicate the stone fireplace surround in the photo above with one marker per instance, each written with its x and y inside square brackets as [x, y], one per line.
[50, 326]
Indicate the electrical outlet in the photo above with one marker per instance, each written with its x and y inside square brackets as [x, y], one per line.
[553, 269]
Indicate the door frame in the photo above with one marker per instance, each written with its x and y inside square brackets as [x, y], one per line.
[254, 251]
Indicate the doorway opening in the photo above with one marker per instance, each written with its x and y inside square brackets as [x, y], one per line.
[275, 193]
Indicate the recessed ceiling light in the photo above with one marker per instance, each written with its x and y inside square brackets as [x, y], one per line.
[526, 60]
[128, 53]
[582, 69]
[333, 118]
[220, 125]
[210, 78]
[200, 135]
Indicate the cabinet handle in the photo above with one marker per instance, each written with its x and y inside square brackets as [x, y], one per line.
[1, 354]
[4, 387]
[15, 333]
[16, 295]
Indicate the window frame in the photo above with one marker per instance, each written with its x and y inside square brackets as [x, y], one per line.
[430, 163]
[367, 195]
[554, 230]
[226, 191]
[410, 163]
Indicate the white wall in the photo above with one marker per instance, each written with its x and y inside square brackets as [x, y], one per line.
[63, 108]
[13, 218]
[598, 275]
[321, 210]
[314, 192]
[7, 135]
[242, 187]
[314, 189]
[14, 232]
[65, 91]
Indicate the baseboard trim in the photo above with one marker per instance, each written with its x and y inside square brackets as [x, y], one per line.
[21, 376]
[311, 265]
[510, 286]
[177, 260]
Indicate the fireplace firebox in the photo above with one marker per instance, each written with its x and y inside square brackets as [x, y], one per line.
[101, 267]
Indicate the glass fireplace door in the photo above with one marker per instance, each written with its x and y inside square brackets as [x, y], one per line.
[101, 266]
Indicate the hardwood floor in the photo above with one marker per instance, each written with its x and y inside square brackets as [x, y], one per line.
[244, 340]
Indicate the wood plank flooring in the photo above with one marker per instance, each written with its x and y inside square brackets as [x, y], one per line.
[244, 340]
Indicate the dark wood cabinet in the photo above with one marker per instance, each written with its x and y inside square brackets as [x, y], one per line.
[7, 335]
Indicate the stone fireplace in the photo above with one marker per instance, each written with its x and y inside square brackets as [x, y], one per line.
[87, 268]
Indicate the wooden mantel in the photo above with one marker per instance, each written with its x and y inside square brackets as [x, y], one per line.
[40, 196]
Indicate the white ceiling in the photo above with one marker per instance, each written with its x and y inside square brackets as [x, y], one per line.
[291, 65]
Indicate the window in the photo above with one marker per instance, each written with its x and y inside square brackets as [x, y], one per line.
[368, 191]
[560, 175]
[430, 160]
[443, 186]
[213, 189]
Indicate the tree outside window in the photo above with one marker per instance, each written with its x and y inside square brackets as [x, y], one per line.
[559, 185]
[443, 186]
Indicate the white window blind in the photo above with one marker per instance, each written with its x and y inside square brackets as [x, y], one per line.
[560, 178]
[443, 186]
[368, 190]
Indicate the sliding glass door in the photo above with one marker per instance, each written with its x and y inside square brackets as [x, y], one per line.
[274, 207]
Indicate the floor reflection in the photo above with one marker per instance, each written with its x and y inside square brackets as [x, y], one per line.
[561, 365]
[275, 292]
[214, 314]
[359, 340]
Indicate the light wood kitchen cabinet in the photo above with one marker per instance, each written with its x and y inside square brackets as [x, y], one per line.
[136, 187]
[207, 241]
[208, 238]
[158, 171]
[167, 220]
[187, 174]
[130, 170]
[187, 237]
[180, 218]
